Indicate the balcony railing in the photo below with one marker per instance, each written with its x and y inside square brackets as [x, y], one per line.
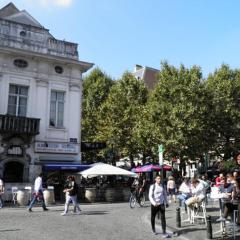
[19, 125]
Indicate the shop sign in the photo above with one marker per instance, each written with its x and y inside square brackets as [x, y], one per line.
[53, 147]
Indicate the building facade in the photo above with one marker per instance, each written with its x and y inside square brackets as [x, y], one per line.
[147, 75]
[40, 98]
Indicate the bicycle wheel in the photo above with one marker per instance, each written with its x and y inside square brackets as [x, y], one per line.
[142, 200]
[132, 201]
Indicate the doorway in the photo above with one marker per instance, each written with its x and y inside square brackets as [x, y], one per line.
[13, 172]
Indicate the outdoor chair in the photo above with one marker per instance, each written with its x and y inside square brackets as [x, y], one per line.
[198, 212]
[232, 227]
[29, 189]
[14, 195]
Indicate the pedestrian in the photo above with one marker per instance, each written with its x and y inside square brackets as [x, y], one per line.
[158, 199]
[1, 192]
[71, 195]
[38, 193]
[171, 189]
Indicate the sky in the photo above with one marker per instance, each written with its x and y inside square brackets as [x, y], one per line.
[117, 34]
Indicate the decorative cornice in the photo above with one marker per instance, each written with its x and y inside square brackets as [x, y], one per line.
[74, 86]
[42, 81]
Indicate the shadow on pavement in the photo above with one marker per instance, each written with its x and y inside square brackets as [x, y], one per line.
[10, 230]
[94, 212]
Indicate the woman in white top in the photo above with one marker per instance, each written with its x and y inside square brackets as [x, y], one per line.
[171, 188]
[185, 191]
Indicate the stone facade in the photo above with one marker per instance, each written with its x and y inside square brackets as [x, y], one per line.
[40, 97]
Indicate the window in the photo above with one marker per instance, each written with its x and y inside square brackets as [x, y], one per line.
[23, 33]
[58, 69]
[17, 100]
[20, 63]
[56, 109]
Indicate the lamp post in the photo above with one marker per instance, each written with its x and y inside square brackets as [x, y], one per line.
[112, 152]
[160, 152]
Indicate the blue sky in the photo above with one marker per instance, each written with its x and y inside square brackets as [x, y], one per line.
[117, 34]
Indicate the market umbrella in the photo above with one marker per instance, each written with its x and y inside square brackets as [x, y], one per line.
[99, 169]
[151, 168]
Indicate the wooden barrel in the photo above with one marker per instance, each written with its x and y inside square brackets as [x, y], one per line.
[22, 197]
[114, 195]
[110, 194]
[100, 195]
[48, 195]
[90, 194]
[126, 194]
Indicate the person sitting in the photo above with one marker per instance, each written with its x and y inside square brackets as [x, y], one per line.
[219, 179]
[185, 191]
[197, 195]
[226, 205]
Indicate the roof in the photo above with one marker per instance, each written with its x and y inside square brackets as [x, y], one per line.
[11, 13]
[8, 10]
[147, 74]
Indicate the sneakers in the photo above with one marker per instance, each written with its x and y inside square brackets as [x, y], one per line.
[63, 214]
[29, 209]
[166, 235]
[221, 219]
[45, 209]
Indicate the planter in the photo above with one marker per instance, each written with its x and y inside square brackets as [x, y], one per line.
[22, 197]
[114, 195]
[90, 194]
[48, 195]
[126, 194]
[100, 195]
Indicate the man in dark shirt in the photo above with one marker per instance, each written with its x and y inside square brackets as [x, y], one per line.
[71, 195]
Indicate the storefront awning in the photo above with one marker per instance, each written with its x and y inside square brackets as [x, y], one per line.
[64, 166]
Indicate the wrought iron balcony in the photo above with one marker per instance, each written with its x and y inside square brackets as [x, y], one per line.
[19, 125]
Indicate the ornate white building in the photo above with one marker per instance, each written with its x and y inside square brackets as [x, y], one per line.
[40, 98]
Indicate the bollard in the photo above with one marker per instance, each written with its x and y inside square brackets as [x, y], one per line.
[178, 218]
[209, 228]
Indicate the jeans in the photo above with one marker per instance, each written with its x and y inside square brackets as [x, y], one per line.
[154, 210]
[182, 198]
[1, 201]
[72, 199]
[35, 198]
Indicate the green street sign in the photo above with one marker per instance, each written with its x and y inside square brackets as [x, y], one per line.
[160, 148]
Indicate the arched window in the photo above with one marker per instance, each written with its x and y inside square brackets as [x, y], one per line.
[59, 69]
[21, 63]
[13, 172]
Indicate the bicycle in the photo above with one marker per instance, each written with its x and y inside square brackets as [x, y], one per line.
[134, 199]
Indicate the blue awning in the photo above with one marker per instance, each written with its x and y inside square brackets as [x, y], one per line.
[65, 166]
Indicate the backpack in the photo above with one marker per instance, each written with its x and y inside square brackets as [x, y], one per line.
[154, 186]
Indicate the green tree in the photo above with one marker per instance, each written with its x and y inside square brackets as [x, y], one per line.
[179, 111]
[96, 87]
[224, 89]
[119, 114]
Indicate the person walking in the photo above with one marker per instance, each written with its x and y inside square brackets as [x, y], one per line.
[1, 192]
[71, 195]
[158, 199]
[171, 189]
[38, 193]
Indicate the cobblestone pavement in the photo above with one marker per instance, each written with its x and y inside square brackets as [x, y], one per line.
[96, 221]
